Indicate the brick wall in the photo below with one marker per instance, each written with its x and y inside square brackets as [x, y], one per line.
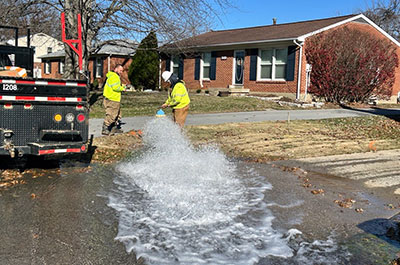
[55, 74]
[224, 71]
[224, 75]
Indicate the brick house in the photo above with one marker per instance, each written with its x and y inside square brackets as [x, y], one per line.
[42, 45]
[264, 59]
[100, 62]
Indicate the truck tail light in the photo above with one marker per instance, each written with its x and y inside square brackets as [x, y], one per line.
[28, 106]
[81, 117]
[79, 107]
[8, 106]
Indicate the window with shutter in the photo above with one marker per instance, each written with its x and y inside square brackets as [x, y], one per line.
[99, 67]
[206, 65]
[272, 64]
[47, 67]
[175, 65]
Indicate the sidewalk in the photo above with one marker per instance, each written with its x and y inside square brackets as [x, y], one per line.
[138, 122]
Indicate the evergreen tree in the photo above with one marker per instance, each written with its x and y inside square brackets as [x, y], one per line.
[143, 71]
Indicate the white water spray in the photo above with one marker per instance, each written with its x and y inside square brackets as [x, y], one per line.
[181, 205]
[187, 206]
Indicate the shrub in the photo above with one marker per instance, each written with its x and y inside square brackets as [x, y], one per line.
[349, 65]
[198, 91]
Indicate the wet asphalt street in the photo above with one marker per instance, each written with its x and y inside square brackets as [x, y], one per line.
[60, 216]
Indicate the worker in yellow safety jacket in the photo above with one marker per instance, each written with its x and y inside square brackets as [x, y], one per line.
[178, 98]
[112, 101]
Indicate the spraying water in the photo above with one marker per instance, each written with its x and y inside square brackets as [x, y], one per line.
[182, 205]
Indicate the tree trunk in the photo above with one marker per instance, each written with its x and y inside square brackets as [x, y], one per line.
[72, 9]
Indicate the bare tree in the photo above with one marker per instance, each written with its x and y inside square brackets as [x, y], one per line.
[19, 13]
[106, 20]
[386, 14]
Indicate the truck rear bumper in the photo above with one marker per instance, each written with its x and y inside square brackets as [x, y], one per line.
[40, 149]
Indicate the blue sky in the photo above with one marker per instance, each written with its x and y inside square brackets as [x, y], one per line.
[251, 13]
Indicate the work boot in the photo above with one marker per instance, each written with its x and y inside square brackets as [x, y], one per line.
[105, 130]
[118, 124]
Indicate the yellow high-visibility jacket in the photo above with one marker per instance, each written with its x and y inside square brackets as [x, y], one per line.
[113, 88]
[179, 97]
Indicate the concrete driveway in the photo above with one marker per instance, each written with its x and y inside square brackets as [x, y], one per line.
[376, 170]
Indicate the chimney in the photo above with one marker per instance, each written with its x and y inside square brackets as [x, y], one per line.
[274, 21]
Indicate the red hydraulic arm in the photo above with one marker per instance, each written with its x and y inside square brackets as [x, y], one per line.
[71, 42]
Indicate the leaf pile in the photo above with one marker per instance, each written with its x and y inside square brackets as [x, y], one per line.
[109, 149]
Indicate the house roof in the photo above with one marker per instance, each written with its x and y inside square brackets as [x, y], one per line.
[53, 55]
[117, 48]
[272, 33]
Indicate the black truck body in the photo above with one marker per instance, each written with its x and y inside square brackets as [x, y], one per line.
[41, 116]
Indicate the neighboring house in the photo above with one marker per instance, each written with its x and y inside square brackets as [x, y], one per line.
[264, 59]
[100, 62]
[42, 44]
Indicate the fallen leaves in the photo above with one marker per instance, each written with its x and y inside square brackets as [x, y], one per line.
[345, 203]
[318, 191]
[9, 178]
[371, 146]
[113, 148]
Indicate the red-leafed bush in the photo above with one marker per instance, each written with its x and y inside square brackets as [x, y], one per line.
[350, 65]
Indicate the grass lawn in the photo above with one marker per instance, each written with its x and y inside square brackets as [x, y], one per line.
[262, 141]
[266, 141]
[139, 103]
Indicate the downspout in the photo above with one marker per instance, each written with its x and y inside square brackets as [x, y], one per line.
[108, 62]
[299, 42]
[159, 74]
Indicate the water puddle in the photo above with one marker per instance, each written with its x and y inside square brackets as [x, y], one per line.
[183, 205]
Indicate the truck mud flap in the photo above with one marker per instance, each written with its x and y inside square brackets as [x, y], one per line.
[48, 149]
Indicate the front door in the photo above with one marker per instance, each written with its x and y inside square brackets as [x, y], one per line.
[238, 68]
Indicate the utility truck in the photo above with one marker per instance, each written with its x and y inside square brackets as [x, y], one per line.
[39, 117]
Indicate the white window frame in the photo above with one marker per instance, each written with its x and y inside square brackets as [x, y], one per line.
[61, 67]
[175, 65]
[47, 67]
[273, 64]
[98, 63]
[203, 64]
